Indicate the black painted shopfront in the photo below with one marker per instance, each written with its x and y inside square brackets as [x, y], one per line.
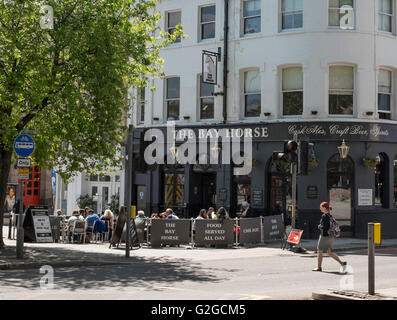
[361, 188]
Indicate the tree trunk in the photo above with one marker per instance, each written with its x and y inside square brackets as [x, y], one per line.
[5, 165]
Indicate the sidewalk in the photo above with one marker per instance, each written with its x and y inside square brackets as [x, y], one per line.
[347, 244]
[382, 294]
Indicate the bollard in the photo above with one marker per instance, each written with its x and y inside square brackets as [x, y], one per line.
[371, 259]
[374, 236]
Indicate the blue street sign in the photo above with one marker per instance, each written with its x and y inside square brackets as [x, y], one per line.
[24, 145]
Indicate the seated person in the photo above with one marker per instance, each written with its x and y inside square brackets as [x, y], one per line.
[75, 216]
[92, 219]
[141, 214]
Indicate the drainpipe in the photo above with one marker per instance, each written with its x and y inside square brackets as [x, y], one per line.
[225, 40]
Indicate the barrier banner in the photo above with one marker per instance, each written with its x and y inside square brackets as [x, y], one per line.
[250, 230]
[214, 232]
[273, 227]
[169, 231]
[140, 225]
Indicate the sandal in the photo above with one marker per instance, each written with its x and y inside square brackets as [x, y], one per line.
[317, 269]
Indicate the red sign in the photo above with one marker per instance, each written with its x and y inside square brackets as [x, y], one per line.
[295, 236]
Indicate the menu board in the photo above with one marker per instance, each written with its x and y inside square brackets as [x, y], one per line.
[257, 197]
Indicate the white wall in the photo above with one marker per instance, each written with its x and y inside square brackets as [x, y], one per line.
[315, 47]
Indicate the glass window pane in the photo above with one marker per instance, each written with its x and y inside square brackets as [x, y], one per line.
[173, 110]
[206, 89]
[252, 25]
[252, 105]
[333, 3]
[385, 23]
[384, 82]
[293, 78]
[385, 116]
[207, 108]
[208, 31]
[333, 18]
[208, 14]
[340, 103]
[384, 102]
[168, 195]
[341, 77]
[298, 20]
[252, 82]
[292, 103]
[252, 8]
[173, 88]
[385, 6]
[287, 22]
[174, 18]
[291, 5]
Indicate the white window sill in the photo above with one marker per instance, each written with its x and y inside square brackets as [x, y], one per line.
[291, 31]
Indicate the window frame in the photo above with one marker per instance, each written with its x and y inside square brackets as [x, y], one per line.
[282, 91]
[244, 18]
[168, 28]
[244, 111]
[343, 90]
[339, 27]
[380, 13]
[142, 105]
[391, 94]
[281, 16]
[166, 99]
[201, 23]
[200, 97]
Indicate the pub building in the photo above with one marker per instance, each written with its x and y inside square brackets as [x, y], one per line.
[342, 101]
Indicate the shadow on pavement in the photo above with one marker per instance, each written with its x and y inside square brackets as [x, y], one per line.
[148, 273]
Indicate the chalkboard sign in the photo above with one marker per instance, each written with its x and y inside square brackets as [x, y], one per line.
[222, 194]
[312, 192]
[118, 230]
[169, 231]
[273, 227]
[250, 230]
[257, 197]
[214, 232]
[36, 225]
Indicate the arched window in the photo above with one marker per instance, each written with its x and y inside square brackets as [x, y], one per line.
[380, 180]
[340, 176]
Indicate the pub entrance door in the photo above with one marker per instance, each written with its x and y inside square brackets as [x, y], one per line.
[340, 177]
[208, 190]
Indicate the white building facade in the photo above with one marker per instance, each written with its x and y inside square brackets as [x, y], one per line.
[325, 69]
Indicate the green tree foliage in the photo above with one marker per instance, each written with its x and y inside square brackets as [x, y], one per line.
[86, 201]
[69, 83]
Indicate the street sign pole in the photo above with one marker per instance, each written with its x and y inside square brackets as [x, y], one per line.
[20, 231]
[23, 146]
[128, 196]
[293, 178]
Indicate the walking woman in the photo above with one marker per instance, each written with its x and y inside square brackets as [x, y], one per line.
[325, 241]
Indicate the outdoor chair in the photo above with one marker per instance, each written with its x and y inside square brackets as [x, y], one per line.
[78, 228]
[95, 235]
